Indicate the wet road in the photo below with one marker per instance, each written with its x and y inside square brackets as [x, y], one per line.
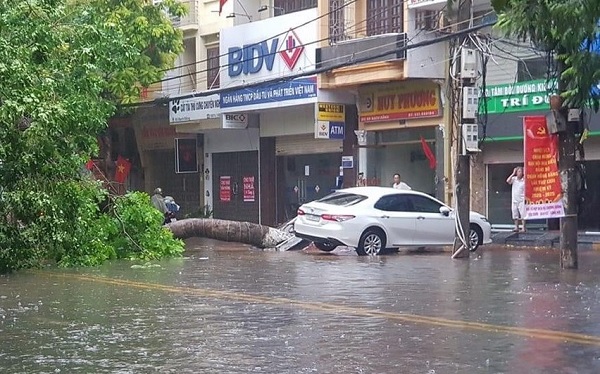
[227, 309]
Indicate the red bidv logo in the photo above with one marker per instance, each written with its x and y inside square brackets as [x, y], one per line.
[292, 50]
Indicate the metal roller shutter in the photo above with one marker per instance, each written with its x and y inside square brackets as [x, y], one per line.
[305, 144]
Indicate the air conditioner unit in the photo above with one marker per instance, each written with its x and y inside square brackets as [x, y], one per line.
[470, 135]
[470, 102]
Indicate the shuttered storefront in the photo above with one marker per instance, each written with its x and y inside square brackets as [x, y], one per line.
[305, 144]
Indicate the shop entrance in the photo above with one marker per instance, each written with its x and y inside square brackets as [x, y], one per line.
[235, 186]
[304, 178]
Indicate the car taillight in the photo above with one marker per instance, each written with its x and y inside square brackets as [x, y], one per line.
[300, 212]
[336, 217]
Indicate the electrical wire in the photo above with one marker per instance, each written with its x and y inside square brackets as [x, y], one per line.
[326, 69]
[301, 45]
[371, 17]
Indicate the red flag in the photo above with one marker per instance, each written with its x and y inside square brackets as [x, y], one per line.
[89, 165]
[428, 153]
[123, 168]
[221, 4]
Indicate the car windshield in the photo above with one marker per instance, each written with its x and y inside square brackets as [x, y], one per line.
[342, 199]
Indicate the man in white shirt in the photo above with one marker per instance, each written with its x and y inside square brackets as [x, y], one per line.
[398, 184]
[517, 180]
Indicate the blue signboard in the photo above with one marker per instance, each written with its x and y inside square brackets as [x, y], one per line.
[301, 88]
[336, 130]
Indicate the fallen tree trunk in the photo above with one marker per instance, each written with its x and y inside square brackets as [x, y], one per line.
[229, 231]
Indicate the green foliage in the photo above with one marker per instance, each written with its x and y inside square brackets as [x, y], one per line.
[141, 235]
[64, 67]
[560, 26]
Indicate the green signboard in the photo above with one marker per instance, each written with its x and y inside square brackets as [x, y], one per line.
[517, 97]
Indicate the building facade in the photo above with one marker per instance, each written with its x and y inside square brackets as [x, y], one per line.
[399, 90]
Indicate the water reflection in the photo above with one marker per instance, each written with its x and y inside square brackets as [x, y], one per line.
[230, 309]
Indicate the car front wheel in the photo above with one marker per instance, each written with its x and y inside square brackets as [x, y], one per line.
[475, 237]
[371, 243]
[327, 247]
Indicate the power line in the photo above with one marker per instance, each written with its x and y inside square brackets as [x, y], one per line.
[372, 16]
[274, 36]
[301, 45]
[320, 70]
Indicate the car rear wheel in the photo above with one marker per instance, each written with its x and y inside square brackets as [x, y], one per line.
[475, 237]
[327, 247]
[372, 242]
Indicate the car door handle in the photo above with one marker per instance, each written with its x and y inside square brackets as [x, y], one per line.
[385, 216]
[420, 217]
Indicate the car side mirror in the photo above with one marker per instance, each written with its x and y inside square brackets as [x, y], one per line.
[444, 210]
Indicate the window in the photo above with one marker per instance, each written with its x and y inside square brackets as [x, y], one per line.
[291, 6]
[212, 68]
[533, 68]
[424, 204]
[385, 16]
[336, 20]
[342, 199]
[394, 203]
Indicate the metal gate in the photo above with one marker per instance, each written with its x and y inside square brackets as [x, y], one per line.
[235, 186]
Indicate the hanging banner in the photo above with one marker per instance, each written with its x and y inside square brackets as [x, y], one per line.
[225, 188]
[248, 189]
[543, 191]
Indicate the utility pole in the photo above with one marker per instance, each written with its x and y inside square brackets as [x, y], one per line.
[462, 180]
[566, 171]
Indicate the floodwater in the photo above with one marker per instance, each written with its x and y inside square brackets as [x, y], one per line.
[225, 308]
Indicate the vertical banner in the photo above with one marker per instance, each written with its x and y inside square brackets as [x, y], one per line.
[543, 191]
[187, 156]
[249, 189]
[225, 188]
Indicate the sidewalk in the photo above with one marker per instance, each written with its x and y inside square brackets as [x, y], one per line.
[542, 238]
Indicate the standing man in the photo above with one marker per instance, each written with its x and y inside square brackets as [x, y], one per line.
[398, 184]
[517, 180]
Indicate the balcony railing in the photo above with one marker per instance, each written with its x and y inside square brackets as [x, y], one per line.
[191, 18]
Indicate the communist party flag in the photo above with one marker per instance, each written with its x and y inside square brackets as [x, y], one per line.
[428, 153]
[221, 4]
[89, 165]
[123, 168]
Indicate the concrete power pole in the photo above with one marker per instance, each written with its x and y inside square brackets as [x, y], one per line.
[461, 82]
[566, 168]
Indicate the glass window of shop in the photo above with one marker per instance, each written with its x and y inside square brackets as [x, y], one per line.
[400, 151]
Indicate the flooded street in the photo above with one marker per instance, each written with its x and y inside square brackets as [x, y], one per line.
[227, 309]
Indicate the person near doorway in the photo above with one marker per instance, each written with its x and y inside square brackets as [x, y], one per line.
[517, 181]
[398, 184]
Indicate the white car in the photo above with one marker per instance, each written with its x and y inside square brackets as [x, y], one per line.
[371, 219]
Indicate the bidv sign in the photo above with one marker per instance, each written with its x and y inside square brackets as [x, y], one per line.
[251, 58]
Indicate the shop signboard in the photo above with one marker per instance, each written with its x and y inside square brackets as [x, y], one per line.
[543, 191]
[517, 97]
[294, 92]
[330, 130]
[399, 101]
[249, 195]
[270, 48]
[194, 109]
[225, 188]
[331, 112]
